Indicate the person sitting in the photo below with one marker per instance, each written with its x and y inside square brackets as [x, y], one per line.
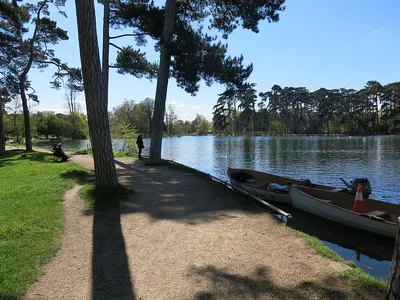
[58, 152]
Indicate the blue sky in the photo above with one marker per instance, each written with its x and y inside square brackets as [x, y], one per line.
[316, 43]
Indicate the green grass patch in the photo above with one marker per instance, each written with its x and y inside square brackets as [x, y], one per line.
[321, 249]
[363, 283]
[321, 291]
[31, 215]
[102, 198]
[123, 154]
[82, 151]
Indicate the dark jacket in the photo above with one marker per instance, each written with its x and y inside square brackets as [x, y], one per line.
[139, 142]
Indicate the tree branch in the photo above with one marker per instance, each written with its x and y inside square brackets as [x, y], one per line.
[31, 43]
[119, 48]
[49, 62]
[34, 91]
[127, 34]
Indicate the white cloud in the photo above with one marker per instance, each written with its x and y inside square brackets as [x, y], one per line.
[56, 110]
[64, 111]
[377, 30]
[177, 103]
[196, 106]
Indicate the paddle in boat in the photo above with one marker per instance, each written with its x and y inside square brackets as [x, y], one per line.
[267, 186]
[376, 216]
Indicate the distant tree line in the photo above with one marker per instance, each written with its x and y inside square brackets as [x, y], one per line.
[44, 124]
[374, 109]
[126, 121]
[137, 117]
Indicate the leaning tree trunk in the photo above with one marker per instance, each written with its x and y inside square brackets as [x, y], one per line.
[2, 135]
[162, 83]
[27, 121]
[99, 129]
[393, 288]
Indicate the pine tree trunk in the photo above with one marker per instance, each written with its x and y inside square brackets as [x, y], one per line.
[2, 135]
[106, 48]
[393, 288]
[27, 121]
[99, 130]
[162, 83]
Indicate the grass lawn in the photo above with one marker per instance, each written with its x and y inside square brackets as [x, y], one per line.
[31, 215]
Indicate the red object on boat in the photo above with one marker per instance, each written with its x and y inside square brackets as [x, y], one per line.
[358, 205]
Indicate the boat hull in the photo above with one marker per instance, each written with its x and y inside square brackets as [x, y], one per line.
[321, 208]
[263, 193]
[262, 181]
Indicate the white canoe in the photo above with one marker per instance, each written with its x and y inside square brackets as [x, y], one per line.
[379, 217]
[259, 182]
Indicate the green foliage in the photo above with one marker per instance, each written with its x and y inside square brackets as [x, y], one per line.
[22, 51]
[31, 216]
[14, 127]
[235, 110]
[59, 125]
[133, 62]
[203, 127]
[132, 114]
[277, 127]
[196, 55]
[129, 135]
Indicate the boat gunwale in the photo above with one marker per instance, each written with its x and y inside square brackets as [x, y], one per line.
[365, 215]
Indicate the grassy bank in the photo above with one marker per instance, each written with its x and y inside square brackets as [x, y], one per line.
[31, 215]
[89, 151]
[360, 282]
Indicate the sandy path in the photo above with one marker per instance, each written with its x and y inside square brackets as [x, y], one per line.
[180, 236]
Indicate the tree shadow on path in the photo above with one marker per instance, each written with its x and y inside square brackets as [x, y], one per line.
[111, 278]
[222, 284]
[165, 193]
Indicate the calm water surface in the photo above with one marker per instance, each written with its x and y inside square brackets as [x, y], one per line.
[321, 159]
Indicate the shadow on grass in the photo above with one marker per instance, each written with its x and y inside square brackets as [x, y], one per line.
[103, 198]
[83, 177]
[221, 284]
[12, 156]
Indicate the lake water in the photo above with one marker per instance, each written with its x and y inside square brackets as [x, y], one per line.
[321, 159]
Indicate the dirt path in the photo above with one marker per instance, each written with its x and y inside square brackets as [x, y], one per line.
[181, 236]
